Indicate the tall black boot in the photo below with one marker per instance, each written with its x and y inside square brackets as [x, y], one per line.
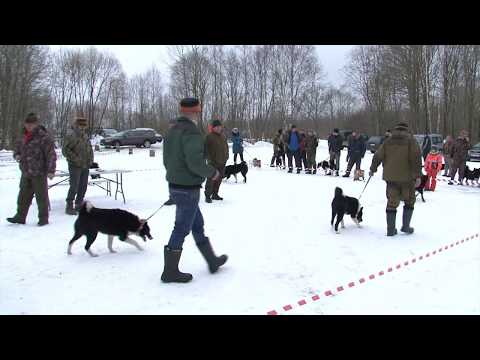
[170, 270]
[214, 262]
[391, 218]
[407, 216]
[347, 174]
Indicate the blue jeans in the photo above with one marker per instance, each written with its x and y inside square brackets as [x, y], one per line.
[188, 217]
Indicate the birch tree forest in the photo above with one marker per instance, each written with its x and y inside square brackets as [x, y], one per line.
[256, 88]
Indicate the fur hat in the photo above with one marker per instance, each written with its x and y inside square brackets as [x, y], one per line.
[191, 105]
[401, 126]
[80, 119]
[31, 118]
[216, 123]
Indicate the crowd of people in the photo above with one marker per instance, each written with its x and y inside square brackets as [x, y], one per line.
[190, 158]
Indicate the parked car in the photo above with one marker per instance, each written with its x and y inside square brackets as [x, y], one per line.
[474, 153]
[374, 143]
[108, 132]
[138, 137]
[437, 140]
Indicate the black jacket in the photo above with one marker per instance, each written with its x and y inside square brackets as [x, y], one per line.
[335, 143]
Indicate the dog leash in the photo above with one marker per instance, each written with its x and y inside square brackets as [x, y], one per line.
[157, 210]
[364, 187]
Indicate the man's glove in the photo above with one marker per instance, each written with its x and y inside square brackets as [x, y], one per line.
[50, 176]
[417, 182]
[17, 157]
[371, 173]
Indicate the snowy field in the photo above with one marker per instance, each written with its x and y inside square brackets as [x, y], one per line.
[276, 232]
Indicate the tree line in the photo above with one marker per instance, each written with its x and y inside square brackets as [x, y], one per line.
[257, 88]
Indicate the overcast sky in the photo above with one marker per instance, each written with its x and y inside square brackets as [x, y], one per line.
[138, 58]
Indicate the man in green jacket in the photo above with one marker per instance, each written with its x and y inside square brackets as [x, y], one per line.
[79, 155]
[184, 160]
[400, 156]
[217, 155]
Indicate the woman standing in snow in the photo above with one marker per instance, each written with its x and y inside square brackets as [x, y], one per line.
[237, 145]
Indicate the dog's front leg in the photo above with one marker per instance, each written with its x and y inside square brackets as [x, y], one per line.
[235, 177]
[343, 224]
[92, 254]
[134, 243]
[110, 242]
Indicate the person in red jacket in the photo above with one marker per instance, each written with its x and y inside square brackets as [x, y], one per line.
[433, 165]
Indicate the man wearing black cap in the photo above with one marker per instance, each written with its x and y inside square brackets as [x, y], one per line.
[184, 160]
[335, 144]
[79, 155]
[217, 155]
[35, 152]
[400, 156]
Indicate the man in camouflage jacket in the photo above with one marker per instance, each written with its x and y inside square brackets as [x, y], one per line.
[400, 156]
[36, 154]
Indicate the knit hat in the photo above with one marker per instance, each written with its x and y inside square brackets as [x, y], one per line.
[401, 126]
[280, 131]
[335, 130]
[216, 123]
[31, 118]
[235, 130]
[191, 105]
[294, 126]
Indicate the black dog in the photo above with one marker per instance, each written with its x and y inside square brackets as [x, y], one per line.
[325, 165]
[471, 175]
[342, 205]
[421, 187]
[235, 169]
[113, 222]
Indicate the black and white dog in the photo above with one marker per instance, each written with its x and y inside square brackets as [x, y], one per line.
[342, 205]
[471, 175]
[325, 165]
[113, 222]
[235, 169]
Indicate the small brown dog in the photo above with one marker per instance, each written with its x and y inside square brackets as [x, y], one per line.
[359, 174]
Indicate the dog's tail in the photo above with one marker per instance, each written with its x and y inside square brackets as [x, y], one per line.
[338, 192]
[86, 208]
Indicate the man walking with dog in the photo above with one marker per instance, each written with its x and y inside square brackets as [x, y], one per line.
[217, 155]
[79, 155]
[401, 158]
[185, 162]
[35, 152]
[356, 152]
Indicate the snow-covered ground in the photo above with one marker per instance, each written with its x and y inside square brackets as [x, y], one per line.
[276, 232]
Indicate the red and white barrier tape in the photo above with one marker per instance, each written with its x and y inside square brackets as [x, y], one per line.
[362, 280]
